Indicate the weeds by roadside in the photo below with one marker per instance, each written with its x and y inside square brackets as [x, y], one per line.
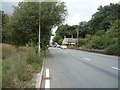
[19, 65]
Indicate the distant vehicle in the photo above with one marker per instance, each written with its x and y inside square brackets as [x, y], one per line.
[63, 47]
[58, 46]
[54, 45]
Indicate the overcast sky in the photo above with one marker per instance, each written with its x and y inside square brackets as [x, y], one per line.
[82, 10]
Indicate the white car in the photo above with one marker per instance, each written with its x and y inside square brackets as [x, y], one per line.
[58, 46]
[63, 46]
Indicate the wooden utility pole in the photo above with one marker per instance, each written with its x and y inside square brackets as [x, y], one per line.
[77, 37]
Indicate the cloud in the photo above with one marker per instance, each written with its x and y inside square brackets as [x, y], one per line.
[82, 10]
[75, 19]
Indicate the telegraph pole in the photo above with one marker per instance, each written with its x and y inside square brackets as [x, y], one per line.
[77, 36]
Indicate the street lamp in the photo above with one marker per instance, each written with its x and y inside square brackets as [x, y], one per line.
[39, 28]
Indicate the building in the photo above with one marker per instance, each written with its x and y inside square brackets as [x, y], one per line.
[69, 41]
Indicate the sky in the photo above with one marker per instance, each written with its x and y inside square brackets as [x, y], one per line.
[78, 10]
[82, 10]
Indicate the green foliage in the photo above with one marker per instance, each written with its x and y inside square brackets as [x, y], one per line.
[100, 22]
[104, 17]
[52, 34]
[67, 30]
[24, 73]
[25, 22]
[31, 43]
[83, 28]
[19, 64]
[94, 42]
[114, 31]
[113, 49]
[100, 42]
[6, 28]
[100, 33]
[108, 41]
[82, 41]
[58, 39]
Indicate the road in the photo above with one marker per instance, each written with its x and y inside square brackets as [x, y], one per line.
[66, 68]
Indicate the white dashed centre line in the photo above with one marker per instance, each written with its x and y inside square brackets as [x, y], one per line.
[115, 68]
[47, 82]
[87, 59]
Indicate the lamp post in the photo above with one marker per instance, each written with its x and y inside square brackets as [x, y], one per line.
[39, 28]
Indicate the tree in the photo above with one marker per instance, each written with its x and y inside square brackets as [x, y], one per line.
[104, 17]
[7, 29]
[83, 28]
[58, 39]
[25, 21]
[52, 14]
[62, 30]
[67, 30]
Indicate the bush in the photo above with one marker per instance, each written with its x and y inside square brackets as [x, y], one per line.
[82, 42]
[95, 43]
[113, 49]
[100, 42]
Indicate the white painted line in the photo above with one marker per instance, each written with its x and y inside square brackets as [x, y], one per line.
[47, 82]
[87, 59]
[116, 68]
[47, 73]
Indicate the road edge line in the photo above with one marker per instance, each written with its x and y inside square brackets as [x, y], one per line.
[38, 82]
[47, 82]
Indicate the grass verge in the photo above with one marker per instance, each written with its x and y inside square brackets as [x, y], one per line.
[19, 65]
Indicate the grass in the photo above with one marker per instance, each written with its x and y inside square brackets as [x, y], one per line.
[19, 64]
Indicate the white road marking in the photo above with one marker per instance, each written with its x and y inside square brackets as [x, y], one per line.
[47, 73]
[87, 59]
[116, 68]
[47, 82]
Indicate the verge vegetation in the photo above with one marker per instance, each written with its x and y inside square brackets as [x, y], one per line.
[100, 34]
[19, 65]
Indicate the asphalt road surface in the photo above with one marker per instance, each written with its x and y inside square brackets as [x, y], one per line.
[66, 68]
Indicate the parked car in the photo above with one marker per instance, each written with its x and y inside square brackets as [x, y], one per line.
[63, 47]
